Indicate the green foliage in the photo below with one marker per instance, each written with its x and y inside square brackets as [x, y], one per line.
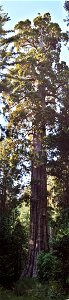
[54, 269]
[49, 267]
[55, 291]
[55, 265]
[32, 289]
[8, 295]
[61, 247]
[13, 248]
[66, 6]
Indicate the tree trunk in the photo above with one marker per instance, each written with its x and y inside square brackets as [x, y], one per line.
[38, 240]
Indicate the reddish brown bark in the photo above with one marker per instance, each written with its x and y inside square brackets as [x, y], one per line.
[38, 240]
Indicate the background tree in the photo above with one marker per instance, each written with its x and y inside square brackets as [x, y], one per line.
[4, 53]
[13, 228]
[66, 6]
[59, 140]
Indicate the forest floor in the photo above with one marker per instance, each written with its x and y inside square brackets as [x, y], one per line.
[32, 290]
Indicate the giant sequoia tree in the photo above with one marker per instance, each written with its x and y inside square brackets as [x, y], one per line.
[32, 96]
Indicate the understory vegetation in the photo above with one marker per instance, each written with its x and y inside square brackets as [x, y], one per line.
[34, 289]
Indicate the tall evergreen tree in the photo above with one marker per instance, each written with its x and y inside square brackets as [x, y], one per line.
[31, 98]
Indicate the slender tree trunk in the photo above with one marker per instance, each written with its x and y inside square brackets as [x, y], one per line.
[38, 240]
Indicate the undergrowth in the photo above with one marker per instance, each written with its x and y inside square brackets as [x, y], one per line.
[32, 289]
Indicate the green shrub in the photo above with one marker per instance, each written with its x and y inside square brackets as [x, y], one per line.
[48, 266]
[12, 253]
[61, 247]
[55, 291]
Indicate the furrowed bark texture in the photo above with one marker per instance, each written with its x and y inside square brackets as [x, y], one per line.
[38, 240]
